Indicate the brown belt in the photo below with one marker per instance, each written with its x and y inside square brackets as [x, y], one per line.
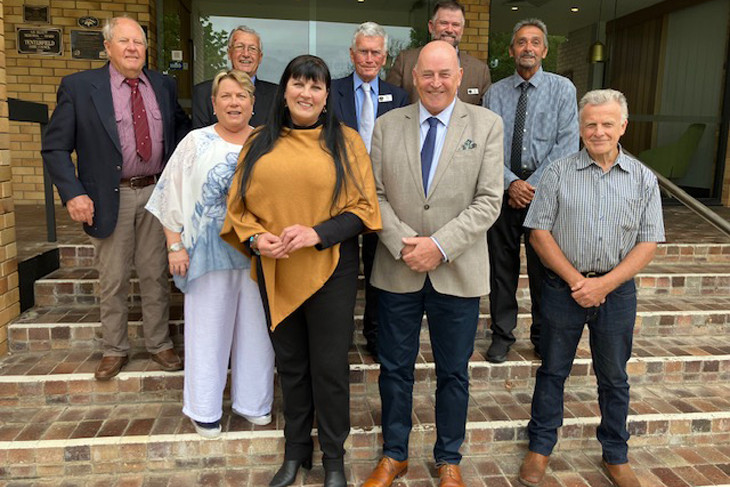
[139, 182]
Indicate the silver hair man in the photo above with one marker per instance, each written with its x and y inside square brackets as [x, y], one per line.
[601, 97]
[369, 29]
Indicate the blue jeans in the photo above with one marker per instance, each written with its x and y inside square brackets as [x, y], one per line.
[611, 327]
[452, 324]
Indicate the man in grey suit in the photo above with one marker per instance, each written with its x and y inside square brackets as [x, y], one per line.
[438, 173]
[446, 24]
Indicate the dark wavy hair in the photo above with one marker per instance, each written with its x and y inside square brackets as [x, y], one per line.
[308, 68]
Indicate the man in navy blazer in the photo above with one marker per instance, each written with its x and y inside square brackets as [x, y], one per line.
[368, 53]
[123, 122]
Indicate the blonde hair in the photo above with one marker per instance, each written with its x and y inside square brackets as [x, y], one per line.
[243, 80]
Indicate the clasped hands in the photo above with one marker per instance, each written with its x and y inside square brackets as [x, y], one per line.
[590, 292]
[421, 254]
[520, 193]
[292, 238]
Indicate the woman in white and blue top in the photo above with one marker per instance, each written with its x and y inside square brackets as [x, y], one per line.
[224, 316]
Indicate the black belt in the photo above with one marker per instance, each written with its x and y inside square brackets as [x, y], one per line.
[524, 173]
[139, 182]
[593, 274]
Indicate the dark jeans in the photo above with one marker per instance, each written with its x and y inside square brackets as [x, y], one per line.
[611, 327]
[370, 317]
[504, 271]
[452, 324]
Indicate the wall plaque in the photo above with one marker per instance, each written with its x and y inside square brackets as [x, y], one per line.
[36, 14]
[88, 21]
[45, 41]
[87, 44]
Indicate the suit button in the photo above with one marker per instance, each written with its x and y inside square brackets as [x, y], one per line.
[119, 168]
[116, 190]
[426, 207]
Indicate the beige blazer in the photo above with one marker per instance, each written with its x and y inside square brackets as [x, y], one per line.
[464, 199]
[474, 84]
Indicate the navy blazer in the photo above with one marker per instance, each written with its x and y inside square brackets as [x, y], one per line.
[203, 107]
[84, 121]
[343, 99]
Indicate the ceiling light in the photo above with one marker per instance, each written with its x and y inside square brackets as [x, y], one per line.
[515, 8]
[574, 9]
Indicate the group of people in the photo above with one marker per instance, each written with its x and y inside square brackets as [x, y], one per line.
[257, 213]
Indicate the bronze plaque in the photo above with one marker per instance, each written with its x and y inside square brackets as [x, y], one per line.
[45, 41]
[87, 44]
[36, 14]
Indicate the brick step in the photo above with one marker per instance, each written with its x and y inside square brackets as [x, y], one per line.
[80, 285]
[66, 377]
[119, 438]
[83, 255]
[78, 326]
[656, 466]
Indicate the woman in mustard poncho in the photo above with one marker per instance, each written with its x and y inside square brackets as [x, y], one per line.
[302, 193]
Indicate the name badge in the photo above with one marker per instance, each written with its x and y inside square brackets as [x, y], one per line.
[472, 91]
[385, 98]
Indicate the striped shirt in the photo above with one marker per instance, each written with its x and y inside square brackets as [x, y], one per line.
[551, 121]
[597, 218]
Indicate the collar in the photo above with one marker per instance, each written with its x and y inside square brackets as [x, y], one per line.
[117, 78]
[357, 83]
[622, 160]
[253, 79]
[535, 81]
[443, 117]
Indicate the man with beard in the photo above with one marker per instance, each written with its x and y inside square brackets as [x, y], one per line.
[446, 24]
[540, 117]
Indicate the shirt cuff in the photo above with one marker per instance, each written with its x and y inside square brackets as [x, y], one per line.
[443, 254]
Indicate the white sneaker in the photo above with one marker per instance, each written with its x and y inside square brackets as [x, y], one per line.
[257, 420]
[207, 430]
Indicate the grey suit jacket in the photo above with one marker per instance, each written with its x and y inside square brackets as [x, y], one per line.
[464, 198]
[473, 86]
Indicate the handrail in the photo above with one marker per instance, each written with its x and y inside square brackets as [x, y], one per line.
[692, 203]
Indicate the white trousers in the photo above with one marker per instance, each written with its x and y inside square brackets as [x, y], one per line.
[224, 318]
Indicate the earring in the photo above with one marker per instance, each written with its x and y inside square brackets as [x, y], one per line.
[324, 110]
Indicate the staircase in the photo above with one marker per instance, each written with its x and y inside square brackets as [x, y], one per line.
[58, 426]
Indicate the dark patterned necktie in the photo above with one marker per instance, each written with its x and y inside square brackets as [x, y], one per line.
[520, 112]
[139, 120]
[427, 151]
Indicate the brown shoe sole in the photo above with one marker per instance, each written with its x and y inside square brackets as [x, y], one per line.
[528, 483]
[105, 378]
[166, 366]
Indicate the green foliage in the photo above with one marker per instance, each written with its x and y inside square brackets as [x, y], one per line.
[215, 48]
[499, 54]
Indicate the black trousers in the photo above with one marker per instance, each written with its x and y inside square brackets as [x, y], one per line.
[311, 347]
[370, 316]
[504, 272]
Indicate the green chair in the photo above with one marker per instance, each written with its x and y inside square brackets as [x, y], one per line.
[672, 160]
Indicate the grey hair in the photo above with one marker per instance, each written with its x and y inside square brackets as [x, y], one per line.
[601, 97]
[248, 30]
[108, 30]
[527, 22]
[369, 29]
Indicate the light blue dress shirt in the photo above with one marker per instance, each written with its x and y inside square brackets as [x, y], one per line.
[374, 93]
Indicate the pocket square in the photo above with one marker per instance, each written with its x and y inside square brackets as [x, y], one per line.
[467, 145]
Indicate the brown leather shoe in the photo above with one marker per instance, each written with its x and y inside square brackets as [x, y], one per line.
[622, 475]
[533, 469]
[109, 367]
[168, 360]
[386, 471]
[450, 476]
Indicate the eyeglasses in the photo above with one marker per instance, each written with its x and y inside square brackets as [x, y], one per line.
[374, 53]
[244, 48]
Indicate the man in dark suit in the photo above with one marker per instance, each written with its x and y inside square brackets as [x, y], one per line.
[245, 52]
[124, 122]
[368, 52]
[446, 24]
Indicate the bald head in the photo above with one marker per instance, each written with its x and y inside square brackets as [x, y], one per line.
[437, 76]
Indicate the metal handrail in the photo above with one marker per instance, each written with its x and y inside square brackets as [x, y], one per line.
[692, 203]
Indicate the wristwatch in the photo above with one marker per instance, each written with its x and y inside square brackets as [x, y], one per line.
[176, 247]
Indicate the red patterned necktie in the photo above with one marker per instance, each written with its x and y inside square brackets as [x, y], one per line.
[139, 120]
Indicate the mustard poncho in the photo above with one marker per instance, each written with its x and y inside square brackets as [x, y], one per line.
[293, 184]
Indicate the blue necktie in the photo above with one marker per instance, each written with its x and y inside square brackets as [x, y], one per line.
[427, 151]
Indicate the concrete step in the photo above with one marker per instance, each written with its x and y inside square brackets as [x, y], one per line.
[75, 440]
[83, 255]
[78, 326]
[66, 377]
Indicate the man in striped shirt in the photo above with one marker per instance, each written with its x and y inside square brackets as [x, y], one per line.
[596, 220]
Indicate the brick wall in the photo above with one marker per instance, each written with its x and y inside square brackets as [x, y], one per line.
[726, 180]
[9, 297]
[573, 58]
[476, 33]
[36, 78]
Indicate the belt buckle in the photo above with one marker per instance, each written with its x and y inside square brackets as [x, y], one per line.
[591, 274]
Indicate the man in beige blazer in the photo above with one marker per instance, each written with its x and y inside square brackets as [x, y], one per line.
[446, 24]
[438, 170]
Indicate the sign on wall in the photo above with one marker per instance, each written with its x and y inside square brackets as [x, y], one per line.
[44, 41]
[87, 44]
[36, 14]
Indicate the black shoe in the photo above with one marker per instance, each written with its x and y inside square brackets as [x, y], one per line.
[497, 352]
[335, 478]
[287, 473]
[372, 349]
